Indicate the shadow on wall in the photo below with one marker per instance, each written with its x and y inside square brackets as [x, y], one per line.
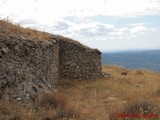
[30, 65]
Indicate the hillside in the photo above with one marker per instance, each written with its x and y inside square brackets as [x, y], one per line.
[102, 99]
[13, 29]
[118, 93]
[50, 77]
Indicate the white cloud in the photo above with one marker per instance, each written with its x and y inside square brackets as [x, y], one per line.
[109, 37]
[138, 28]
[47, 15]
[90, 29]
[48, 10]
[131, 7]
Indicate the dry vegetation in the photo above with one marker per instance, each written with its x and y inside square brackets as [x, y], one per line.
[104, 99]
[16, 29]
[138, 92]
[11, 28]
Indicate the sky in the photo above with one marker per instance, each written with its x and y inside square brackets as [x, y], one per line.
[109, 25]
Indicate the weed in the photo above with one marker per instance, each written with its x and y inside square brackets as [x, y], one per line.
[59, 103]
[137, 110]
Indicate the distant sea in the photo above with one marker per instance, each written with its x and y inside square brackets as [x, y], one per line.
[147, 59]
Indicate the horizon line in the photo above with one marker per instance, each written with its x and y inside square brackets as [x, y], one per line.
[128, 50]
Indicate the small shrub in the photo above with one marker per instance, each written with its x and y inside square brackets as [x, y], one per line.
[158, 92]
[15, 116]
[48, 114]
[141, 108]
[59, 103]
[52, 100]
[139, 72]
[5, 109]
[68, 112]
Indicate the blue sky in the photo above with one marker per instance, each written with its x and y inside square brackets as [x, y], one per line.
[109, 25]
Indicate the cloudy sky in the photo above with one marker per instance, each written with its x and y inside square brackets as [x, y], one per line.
[108, 25]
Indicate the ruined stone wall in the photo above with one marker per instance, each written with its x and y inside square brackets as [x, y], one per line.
[27, 67]
[31, 62]
[77, 61]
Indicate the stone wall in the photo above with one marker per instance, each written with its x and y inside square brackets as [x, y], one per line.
[77, 61]
[31, 67]
[27, 67]
[32, 61]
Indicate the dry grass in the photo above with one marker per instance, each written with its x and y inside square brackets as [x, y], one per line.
[47, 107]
[25, 33]
[52, 100]
[8, 27]
[55, 107]
[87, 100]
[96, 100]
[143, 108]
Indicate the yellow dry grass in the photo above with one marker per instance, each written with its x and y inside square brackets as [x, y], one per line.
[88, 100]
[18, 30]
[96, 100]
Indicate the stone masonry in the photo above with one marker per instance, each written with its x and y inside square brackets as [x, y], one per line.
[77, 61]
[27, 67]
[30, 66]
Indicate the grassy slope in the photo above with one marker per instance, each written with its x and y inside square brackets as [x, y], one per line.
[93, 100]
[9, 28]
[97, 99]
